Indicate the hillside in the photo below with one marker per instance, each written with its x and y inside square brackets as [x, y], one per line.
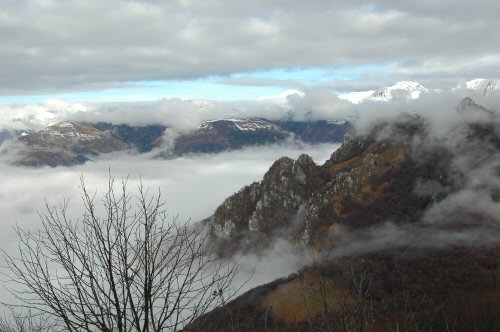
[402, 224]
[66, 144]
[404, 289]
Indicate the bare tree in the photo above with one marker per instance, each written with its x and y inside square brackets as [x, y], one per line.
[131, 269]
[25, 322]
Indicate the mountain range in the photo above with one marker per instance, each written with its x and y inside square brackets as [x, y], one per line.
[404, 90]
[400, 224]
[71, 143]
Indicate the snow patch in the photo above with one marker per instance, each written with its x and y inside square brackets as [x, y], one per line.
[401, 89]
[484, 85]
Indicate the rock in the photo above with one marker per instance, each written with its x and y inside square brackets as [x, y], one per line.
[300, 201]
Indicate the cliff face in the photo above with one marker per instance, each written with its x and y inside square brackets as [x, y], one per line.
[300, 200]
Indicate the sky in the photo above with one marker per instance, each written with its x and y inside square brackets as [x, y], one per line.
[124, 50]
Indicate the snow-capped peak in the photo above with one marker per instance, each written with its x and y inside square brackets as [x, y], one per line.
[69, 130]
[246, 124]
[407, 89]
[401, 89]
[483, 85]
[474, 84]
[66, 124]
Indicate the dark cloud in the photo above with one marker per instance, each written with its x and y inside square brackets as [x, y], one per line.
[50, 45]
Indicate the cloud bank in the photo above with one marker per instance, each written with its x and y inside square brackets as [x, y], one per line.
[50, 45]
[192, 186]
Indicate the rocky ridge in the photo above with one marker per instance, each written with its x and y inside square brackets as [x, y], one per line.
[304, 201]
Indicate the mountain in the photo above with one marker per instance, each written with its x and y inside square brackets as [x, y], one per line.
[401, 224]
[400, 90]
[469, 106]
[408, 90]
[483, 85]
[71, 143]
[370, 179]
[229, 134]
[320, 131]
[302, 201]
[66, 143]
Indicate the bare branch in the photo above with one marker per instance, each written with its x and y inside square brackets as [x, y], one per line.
[131, 269]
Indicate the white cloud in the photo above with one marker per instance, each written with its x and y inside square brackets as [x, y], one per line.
[192, 186]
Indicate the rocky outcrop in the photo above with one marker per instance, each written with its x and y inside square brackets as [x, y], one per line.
[393, 174]
[269, 205]
[303, 201]
[469, 105]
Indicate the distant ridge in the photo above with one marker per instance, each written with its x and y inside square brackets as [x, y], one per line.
[71, 143]
[408, 90]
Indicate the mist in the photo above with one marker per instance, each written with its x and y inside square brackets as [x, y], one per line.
[465, 208]
[192, 187]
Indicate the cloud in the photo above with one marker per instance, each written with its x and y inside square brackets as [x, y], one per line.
[192, 186]
[391, 236]
[482, 65]
[278, 261]
[59, 46]
[35, 117]
[464, 208]
[183, 115]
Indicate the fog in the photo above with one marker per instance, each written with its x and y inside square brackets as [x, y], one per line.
[192, 187]
[465, 209]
